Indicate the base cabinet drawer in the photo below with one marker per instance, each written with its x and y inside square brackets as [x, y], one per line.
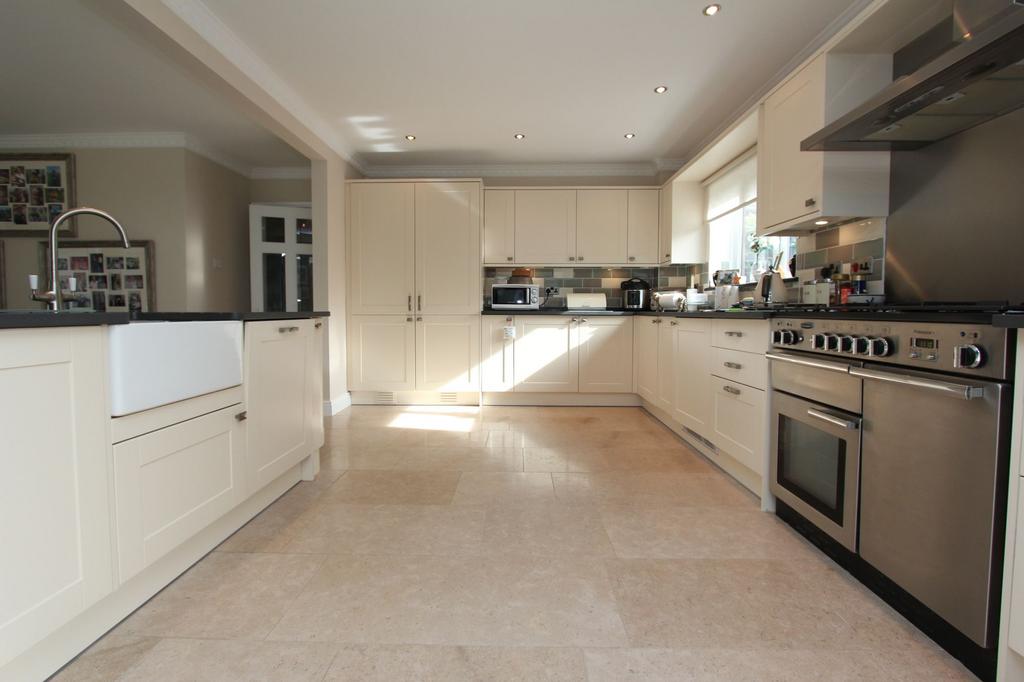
[750, 336]
[1015, 636]
[746, 368]
[172, 483]
[739, 422]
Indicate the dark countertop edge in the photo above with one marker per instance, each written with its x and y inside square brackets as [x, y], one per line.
[42, 318]
[1008, 320]
[228, 316]
[707, 314]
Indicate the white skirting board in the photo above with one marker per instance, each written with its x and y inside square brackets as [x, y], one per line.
[564, 399]
[730, 465]
[55, 651]
[336, 405]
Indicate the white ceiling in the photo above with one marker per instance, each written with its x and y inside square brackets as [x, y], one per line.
[84, 66]
[573, 75]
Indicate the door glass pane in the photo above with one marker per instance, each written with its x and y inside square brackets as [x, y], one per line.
[303, 231]
[305, 282]
[273, 229]
[273, 282]
[812, 465]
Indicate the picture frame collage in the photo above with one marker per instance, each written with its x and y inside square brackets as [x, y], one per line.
[109, 277]
[35, 189]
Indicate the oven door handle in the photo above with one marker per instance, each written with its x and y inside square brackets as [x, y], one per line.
[954, 390]
[847, 424]
[819, 364]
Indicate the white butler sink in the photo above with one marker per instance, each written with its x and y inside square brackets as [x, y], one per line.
[156, 363]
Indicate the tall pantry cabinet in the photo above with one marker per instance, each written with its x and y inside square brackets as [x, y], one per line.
[415, 290]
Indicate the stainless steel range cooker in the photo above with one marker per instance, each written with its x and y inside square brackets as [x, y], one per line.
[890, 436]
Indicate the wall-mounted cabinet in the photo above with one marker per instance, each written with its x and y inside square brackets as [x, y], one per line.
[795, 188]
[599, 226]
[682, 234]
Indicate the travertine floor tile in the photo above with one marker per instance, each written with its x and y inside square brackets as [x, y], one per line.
[266, 532]
[504, 488]
[574, 459]
[503, 601]
[394, 487]
[452, 458]
[214, 660]
[651, 489]
[703, 533]
[226, 595]
[750, 604]
[729, 665]
[107, 659]
[448, 664]
[545, 529]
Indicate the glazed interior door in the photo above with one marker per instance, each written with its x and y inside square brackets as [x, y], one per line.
[281, 257]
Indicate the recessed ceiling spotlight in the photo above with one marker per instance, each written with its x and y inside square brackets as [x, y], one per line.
[519, 136]
[661, 89]
[410, 137]
[629, 136]
[821, 222]
[712, 10]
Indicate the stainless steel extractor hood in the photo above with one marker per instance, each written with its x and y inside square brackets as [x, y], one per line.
[979, 79]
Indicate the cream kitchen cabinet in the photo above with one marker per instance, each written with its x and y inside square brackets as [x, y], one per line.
[605, 354]
[643, 214]
[496, 361]
[666, 363]
[54, 494]
[414, 248]
[739, 422]
[282, 371]
[546, 354]
[545, 221]
[448, 353]
[382, 353]
[382, 228]
[645, 356]
[682, 235]
[172, 483]
[693, 353]
[447, 248]
[795, 187]
[602, 225]
[499, 226]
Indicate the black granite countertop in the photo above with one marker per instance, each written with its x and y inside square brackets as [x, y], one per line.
[705, 314]
[1013, 319]
[17, 319]
[14, 319]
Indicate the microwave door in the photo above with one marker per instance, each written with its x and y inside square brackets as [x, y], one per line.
[510, 296]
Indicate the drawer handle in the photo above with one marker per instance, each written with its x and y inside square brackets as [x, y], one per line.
[285, 330]
[733, 365]
[242, 416]
[673, 323]
[736, 334]
[508, 258]
[730, 389]
[318, 325]
[572, 258]
[809, 202]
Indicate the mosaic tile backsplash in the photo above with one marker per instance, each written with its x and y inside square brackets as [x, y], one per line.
[605, 281]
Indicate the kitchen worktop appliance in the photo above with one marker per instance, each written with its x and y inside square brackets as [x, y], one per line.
[515, 296]
[636, 294]
[889, 449]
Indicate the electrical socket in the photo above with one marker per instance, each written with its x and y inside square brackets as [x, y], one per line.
[551, 291]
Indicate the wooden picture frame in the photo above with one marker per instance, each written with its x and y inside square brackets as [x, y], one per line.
[35, 189]
[98, 265]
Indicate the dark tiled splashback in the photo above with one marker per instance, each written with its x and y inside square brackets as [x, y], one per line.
[596, 280]
[857, 242]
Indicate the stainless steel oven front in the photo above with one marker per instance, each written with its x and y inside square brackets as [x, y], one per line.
[816, 443]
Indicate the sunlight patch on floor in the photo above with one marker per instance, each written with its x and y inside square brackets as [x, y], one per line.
[436, 418]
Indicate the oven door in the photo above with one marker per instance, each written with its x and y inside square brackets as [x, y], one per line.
[815, 464]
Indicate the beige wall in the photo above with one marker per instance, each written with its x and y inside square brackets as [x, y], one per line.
[216, 237]
[193, 210]
[273, 191]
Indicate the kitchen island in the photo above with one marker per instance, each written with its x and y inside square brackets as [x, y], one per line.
[104, 511]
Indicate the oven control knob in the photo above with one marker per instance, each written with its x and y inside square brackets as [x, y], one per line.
[818, 342]
[968, 357]
[861, 345]
[880, 347]
[790, 337]
[777, 336]
[846, 344]
[832, 342]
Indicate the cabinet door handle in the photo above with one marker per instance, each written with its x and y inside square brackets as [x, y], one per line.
[508, 258]
[419, 319]
[419, 301]
[242, 416]
[318, 325]
[730, 389]
[733, 365]
[736, 334]
[580, 258]
[809, 202]
[583, 320]
[673, 323]
[285, 330]
[632, 258]
[408, 319]
[572, 258]
[410, 303]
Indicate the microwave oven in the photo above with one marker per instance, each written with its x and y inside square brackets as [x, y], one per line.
[515, 296]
